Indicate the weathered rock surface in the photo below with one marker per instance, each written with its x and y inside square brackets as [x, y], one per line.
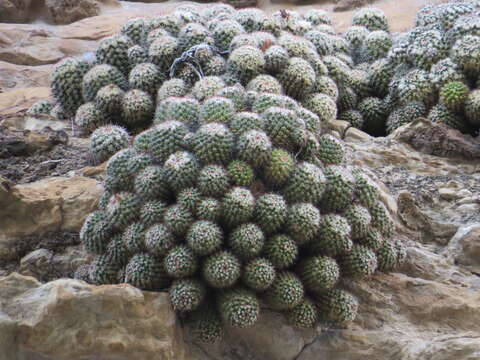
[68, 11]
[44, 206]
[14, 11]
[71, 320]
[14, 101]
[438, 139]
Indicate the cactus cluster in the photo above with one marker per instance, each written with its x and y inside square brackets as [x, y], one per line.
[230, 208]
[429, 71]
[229, 194]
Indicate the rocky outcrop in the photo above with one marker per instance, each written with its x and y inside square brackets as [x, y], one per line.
[14, 11]
[71, 320]
[438, 139]
[48, 205]
[68, 11]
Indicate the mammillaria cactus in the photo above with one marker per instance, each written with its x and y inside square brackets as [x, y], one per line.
[40, 108]
[235, 194]
[107, 140]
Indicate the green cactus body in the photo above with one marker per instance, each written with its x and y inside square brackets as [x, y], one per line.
[221, 270]
[334, 236]
[145, 272]
[281, 250]
[270, 212]
[204, 237]
[42, 107]
[218, 110]
[254, 147]
[337, 306]
[279, 167]
[103, 270]
[159, 240]
[213, 143]
[297, 78]
[304, 315]
[246, 241]
[89, 117]
[180, 262]
[307, 184]
[303, 222]
[206, 325]
[134, 238]
[286, 292]
[246, 62]
[187, 294]
[238, 307]
[173, 87]
[107, 140]
[209, 209]
[240, 173]
[359, 219]
[258, 274]
[359, 263]
[95, 232]
[381, 219]
[163, 51]
[146, 77]
[318, 273]
[213, 181]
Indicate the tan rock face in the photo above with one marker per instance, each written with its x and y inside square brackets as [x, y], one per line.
[44, 206]
[71, 320]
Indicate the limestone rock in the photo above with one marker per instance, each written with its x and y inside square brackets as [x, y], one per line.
[242, 3]
[69, 11]
[46, 265]
[48, 205]
[29, 142]
[14, 101]
[344, 5]
[438, 139]
[69, 319]
[465, 246]
[14, 76]
[14, 11]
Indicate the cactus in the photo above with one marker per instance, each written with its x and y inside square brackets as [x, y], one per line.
[107, 140]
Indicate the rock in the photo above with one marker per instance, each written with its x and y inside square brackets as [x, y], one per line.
[438, 139]
[45, 265]
[68, 11]
[414, 218]
[69, 319]
[37, 263]
[353, 134]
[238, 4]
[339, 126]
[48, 205]
[467, 244]
[14, 76]
[29, 44]
[453, 190]
[38, 123]
[344, 5]
[14, 101]
[28, 142]
[14, 11]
